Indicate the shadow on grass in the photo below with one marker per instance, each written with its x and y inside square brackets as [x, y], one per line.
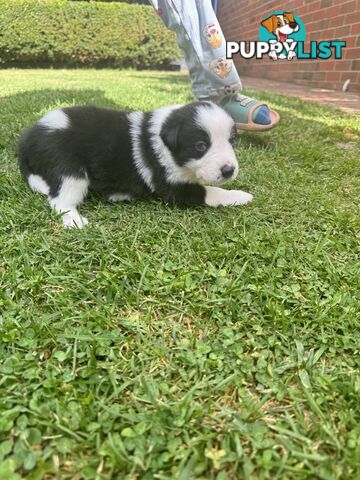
[39, 100]
[254, 140]
[20, 110]
[176, 78]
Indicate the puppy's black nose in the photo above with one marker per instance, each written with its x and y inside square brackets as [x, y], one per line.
[293, 24]
[227, 171]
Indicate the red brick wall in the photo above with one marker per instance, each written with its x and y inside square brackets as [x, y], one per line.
[323, 20]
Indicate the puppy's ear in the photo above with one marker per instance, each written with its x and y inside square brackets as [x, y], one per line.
[290, 17]
[270, 23]
[169, 135]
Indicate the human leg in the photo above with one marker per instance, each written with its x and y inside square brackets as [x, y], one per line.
[212, 76]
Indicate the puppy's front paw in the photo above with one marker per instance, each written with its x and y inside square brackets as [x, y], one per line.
[239, 198]
[218, 197]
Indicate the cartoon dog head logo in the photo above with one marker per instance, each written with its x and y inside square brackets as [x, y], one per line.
[281, 25]
[221, 67]
[213, 35]
[282, 28]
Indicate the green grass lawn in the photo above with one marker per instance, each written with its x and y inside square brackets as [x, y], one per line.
[160, 343]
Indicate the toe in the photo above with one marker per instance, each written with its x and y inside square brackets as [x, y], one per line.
[261, 115]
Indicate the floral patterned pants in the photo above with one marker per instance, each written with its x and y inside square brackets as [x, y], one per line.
[200, 37]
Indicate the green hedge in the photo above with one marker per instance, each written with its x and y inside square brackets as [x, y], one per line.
[38, 32]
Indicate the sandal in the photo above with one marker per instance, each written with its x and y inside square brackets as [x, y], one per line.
[249, 114]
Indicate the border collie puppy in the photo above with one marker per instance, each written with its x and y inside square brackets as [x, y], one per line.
[171, 153]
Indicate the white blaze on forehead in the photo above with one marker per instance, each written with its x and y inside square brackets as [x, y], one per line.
[281, 17]
[215, 121]
[175, 173]
[57, 119]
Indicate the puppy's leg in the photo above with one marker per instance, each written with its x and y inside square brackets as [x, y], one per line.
[190, 195]
[71, 193]
[218, 197]
[38, 184]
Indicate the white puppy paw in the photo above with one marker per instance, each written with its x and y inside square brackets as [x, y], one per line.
[218, 197]
[240, 198]
[74, 220]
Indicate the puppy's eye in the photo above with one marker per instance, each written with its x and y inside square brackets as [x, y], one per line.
[201, 146]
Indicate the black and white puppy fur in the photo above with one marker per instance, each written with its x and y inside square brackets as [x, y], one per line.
[177, 153]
